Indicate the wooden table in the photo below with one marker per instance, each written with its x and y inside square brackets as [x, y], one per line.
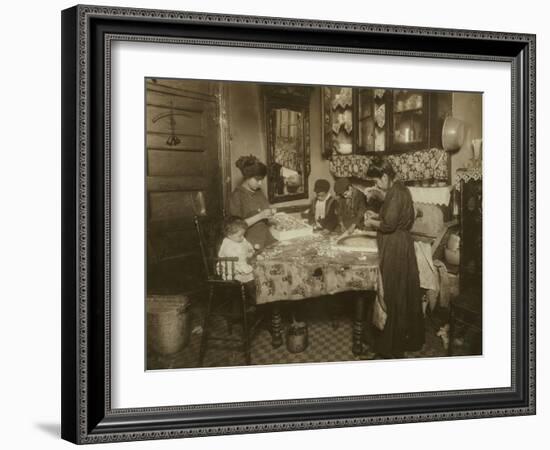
[310, 267]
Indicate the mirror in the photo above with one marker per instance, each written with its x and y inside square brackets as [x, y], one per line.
[287, 114]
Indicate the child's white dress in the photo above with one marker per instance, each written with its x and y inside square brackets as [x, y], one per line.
[242, 250]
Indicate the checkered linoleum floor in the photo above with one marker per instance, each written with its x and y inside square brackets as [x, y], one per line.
[326, 343]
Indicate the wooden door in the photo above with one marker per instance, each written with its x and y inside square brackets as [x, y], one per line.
[183, 178]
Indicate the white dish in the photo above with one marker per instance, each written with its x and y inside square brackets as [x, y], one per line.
[357, 243]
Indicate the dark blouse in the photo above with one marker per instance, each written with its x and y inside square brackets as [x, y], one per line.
[245, 203]
[351, 210]
[330, 221]
[397, 212]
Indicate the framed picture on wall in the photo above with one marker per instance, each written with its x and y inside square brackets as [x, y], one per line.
[227, 220]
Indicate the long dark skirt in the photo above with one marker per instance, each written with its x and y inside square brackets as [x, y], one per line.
[404, 329]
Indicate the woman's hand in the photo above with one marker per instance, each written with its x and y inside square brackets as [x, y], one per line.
[346, 233]
[265, 214]
[260, 215]
[372, 223]
[370, 215]
[374, 193]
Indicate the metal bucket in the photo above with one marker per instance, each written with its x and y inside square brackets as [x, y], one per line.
[296, 338]
[168, 323]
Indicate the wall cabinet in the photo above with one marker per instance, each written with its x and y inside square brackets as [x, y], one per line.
[371, 120]
[410, 113]
[373, 117]
[338, 127]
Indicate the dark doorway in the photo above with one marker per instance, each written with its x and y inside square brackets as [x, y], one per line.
[183, 178]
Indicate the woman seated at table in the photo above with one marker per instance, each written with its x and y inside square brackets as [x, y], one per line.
[404, 327]
[249, 202]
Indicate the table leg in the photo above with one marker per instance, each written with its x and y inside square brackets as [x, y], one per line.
[357, 347]
[276, 326]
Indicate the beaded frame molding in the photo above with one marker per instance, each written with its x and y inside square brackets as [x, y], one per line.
[87, 34]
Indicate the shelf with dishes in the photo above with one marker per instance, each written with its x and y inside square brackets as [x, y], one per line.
[364, 121]
[410, 110]
[409, 120]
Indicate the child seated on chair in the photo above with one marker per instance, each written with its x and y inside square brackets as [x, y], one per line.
[322, 211]
[235, 245]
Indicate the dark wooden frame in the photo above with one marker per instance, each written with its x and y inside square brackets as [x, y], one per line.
[87, 33]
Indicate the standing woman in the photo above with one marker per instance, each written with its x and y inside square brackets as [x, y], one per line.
[248, 202]
[404, 328]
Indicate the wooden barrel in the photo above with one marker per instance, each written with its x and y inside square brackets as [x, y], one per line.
[168, 323]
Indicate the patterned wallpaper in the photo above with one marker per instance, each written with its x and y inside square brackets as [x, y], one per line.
[411, 166]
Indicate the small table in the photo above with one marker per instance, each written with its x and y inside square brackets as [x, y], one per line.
[309, 267]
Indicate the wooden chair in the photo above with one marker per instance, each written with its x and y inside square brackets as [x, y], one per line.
[223, 290]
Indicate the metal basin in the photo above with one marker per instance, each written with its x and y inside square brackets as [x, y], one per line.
[358, 242]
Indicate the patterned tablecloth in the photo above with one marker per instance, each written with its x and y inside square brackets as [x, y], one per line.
[310, 267]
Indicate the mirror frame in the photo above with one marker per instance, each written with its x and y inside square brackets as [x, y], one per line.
[297, 98]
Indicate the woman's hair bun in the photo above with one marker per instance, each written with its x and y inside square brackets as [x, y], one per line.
[246, 161]
[250, 166]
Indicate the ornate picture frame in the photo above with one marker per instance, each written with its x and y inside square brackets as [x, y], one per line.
[87, 365]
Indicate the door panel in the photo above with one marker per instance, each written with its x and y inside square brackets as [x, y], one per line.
[170, 205]
[174, 163]
[183, 179]
[168, 119]
[180, 142]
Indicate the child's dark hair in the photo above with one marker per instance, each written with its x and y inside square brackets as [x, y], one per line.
[232, 224]
[380, 166]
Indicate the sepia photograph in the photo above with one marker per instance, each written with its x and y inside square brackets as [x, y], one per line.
[294, 223]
